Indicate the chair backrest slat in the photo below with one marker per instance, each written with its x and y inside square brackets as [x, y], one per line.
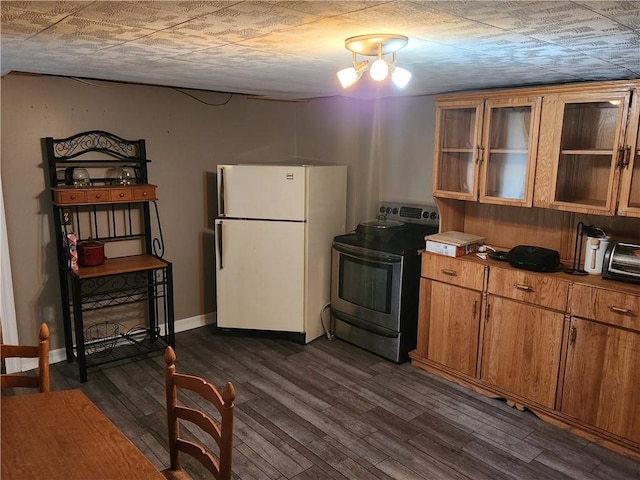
[41, 352]
[221, 432]
[207, 460]
[200, 419]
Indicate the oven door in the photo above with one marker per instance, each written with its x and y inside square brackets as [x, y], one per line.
[366, 284]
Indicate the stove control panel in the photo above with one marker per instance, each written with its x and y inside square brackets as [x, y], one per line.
[423, 214]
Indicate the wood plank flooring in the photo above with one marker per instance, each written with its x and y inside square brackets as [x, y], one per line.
[329, 410]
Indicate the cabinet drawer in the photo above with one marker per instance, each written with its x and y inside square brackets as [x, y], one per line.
[69, 196]
[98, 195]
[615, 308]
[452, 270]
[144, 192]
[544, 290]
[121, 194]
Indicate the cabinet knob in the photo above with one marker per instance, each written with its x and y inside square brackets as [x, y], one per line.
[98, 195]
[73, 197]
[144, 194]
[121, 194]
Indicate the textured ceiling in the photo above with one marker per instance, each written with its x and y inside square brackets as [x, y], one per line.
[292, 49]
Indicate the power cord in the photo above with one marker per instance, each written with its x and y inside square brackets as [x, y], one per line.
[329, 335]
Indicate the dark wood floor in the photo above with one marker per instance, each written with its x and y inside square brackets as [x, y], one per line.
[329, 410]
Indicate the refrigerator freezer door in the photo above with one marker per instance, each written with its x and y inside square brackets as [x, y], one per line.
[272, 192]
[260, 275]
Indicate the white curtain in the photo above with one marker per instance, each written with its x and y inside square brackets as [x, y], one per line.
[7, 305]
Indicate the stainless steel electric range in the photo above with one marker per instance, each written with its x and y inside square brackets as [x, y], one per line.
[375, 280]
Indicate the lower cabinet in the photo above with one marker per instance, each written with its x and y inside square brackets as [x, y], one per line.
[454, 324]
[566, 348]
[521, 353]
[602, 378]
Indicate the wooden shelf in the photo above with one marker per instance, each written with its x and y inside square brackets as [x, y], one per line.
[588, 202]
[587, 152]
[457, 150]
[509, 150]
[120, 265]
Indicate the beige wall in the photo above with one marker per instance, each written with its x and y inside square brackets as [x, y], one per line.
[386, 145]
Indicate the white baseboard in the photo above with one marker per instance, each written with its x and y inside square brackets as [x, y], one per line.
[60, 354]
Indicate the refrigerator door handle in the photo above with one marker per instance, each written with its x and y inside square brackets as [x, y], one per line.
[219, 235]
[221, 193]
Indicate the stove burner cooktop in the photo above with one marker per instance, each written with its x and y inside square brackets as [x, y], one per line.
[418, 221]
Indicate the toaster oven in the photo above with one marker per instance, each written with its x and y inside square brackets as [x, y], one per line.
[622, 262]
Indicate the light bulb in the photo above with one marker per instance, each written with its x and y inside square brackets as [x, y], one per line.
[379, 70]
[347, 77]
[400, 77]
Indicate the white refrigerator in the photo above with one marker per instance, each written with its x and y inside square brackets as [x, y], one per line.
[274, 233]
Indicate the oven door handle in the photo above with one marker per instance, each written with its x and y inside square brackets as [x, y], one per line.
[364, 325]
[363, 254]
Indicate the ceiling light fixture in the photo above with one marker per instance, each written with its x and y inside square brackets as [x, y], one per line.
[375, 45]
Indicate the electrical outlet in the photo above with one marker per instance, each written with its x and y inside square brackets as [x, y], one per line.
[66, 216]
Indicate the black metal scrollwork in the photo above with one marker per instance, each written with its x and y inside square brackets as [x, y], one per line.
[103, 292]
[158, 242]
[96, 141]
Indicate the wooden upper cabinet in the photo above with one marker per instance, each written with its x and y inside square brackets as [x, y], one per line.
[629, 203]
[509, 150]
[485, 149]
[581, 151]
[457, 149]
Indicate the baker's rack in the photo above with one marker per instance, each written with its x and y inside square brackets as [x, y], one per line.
[128, 299]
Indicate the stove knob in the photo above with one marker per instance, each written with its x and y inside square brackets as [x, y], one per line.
[433, 215]
[395, 211]
[425, 214]
[388, 209]
[382, 209]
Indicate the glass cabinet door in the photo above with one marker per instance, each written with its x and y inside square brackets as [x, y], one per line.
[589, 152]
[457, 149]
[510, 144]
[630, 187]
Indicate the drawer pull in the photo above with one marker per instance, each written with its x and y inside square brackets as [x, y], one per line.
[524, 288]
[98, 195]
[144, 194]
[621, 311]
[451, 273]
[121, 195]
[573, 333]
[73, 197]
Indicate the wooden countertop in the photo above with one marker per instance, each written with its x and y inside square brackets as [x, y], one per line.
[590, 280]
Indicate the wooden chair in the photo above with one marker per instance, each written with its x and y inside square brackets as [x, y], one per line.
[41, 352]
[222, 432]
